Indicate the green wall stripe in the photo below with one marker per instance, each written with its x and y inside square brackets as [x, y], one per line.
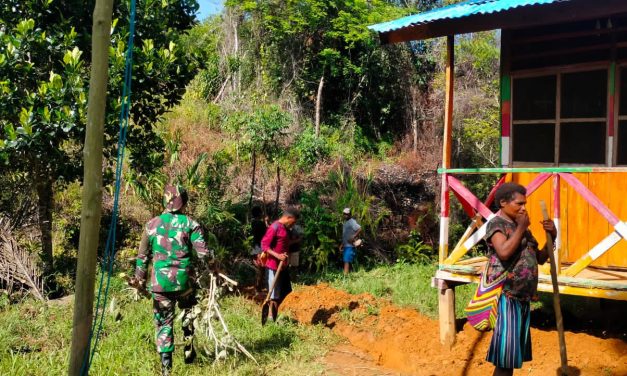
[506, 88]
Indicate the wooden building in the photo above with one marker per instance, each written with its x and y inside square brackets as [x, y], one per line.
[564, 136]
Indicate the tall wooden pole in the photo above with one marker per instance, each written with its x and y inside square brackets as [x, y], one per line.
[92, 187]
[448, 101]
[556, 295]
[446, 300]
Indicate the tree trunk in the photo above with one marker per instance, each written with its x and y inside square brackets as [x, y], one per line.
[45, 201]
[91, 209]
[319, 105]
[252, 181]
[414, 128]
[278, 189]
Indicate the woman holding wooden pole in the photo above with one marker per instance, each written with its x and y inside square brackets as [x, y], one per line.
[513, 250]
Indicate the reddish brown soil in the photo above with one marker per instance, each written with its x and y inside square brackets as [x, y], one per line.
[406, 342]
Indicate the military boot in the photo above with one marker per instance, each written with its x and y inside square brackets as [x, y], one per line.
[166, 364]
[189, 351]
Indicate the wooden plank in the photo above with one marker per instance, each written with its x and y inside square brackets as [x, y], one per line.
[448, 101]
[566, 35]
[496, 170]
[514, 18]
[471, 199]
[459, 251]
[582, 189]
[537, 182]
[577, 218]
[538, 190]
[564, 192]
[612, 111]
[618, 255]
[573, 286]
[446, 308]
[558, 114]
[592, 255]
[598, 227]
[444, 220]
[563, 51]
[570, 68]
[556, 219]
[506, 99]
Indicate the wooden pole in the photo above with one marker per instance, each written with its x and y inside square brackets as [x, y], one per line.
[448, 101]
[446, 300]
[92, 188]
[556, 295]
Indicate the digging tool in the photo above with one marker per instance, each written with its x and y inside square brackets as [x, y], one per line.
[265, 307]
[556, 295]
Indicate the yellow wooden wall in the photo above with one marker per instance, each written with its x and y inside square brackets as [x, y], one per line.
[582, 226]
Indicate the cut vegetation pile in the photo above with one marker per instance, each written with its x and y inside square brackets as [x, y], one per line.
[405, 341]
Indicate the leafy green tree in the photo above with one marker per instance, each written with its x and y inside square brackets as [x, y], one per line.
[261, 132]
[295, 44]
[44, 65]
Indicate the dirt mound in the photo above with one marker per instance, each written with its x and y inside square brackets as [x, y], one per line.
[408, 342]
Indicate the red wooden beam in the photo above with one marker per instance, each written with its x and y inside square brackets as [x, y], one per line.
[591, 198]
[537, 182]
[471, 199]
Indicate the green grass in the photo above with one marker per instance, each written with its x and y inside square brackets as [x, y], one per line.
[406, 285]
[35, 340]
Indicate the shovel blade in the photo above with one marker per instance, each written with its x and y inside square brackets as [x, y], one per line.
[265, 308]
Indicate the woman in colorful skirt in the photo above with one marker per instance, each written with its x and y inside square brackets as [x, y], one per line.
[513, 250]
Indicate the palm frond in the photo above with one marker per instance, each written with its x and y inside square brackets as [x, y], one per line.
[17, 265]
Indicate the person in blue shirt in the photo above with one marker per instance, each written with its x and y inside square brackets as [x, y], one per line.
[350, 234]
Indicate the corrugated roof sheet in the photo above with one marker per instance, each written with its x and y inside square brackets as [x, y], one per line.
[461, 10]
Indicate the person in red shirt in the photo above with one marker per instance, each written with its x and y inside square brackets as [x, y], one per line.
[275, 244]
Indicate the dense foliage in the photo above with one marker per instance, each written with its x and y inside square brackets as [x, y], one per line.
[281, 102]
[44, 72]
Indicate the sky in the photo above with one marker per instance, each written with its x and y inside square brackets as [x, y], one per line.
[209, 7]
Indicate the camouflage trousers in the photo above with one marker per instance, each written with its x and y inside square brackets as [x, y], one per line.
[163, 309]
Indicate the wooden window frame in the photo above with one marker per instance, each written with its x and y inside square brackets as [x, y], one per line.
[617, 116]
[558, 71]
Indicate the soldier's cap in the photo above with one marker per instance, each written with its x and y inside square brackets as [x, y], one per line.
[174, 198]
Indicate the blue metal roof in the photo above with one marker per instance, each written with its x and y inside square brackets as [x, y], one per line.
[461, 10]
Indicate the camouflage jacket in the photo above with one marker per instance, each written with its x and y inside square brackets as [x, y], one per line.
[172, 240]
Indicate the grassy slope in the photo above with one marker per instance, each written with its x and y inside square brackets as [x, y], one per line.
[35, 340]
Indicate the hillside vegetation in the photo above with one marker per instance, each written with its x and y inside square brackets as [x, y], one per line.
[267, 104]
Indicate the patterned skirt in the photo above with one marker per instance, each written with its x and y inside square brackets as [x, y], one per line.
[511, 341]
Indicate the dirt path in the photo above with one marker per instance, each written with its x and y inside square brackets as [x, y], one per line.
[403, 342]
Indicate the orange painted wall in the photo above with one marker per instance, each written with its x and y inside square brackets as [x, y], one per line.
[582, 226]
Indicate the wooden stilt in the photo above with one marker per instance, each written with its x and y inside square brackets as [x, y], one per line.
[92, 188]
[446, 307]
[446, 300]
[448, 101]
[444, 209]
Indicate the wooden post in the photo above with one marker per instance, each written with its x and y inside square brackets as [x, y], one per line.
[448, 101]
[444, 221]
[446, 295]
[446, 308]
[506, 98]
[557, 221]
[92, 187]
[556, 295]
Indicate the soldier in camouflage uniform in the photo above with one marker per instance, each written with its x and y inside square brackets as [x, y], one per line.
[172, 240]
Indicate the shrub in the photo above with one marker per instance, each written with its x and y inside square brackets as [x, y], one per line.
[415, 251]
